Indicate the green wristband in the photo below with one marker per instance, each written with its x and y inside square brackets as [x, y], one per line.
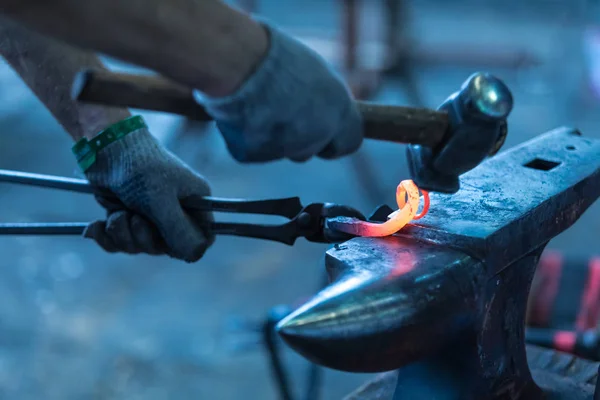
[85, 150]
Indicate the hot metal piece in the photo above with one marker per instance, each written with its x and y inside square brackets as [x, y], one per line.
[445, 300]
[407, 199]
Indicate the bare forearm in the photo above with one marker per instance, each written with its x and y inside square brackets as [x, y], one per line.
[204, 44]
[48, 67]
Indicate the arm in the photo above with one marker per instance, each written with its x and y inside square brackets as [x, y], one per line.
[48, 68]
[204, 44]
[271, 96]
[142, 218]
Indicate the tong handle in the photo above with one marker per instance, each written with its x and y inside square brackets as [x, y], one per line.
[51, 228]
[47, 181]
[285, 233]
[286, 207]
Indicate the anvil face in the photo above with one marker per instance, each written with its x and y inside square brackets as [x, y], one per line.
[518, 200]
[460, 275]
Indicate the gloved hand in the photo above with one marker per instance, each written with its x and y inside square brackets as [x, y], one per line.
[142, 186]
[293, 106]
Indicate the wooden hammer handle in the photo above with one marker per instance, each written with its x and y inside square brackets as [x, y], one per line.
[146, 92]
[150, 92]
[403, 124]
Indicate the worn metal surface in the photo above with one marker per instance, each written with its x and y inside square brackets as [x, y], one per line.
[518, 200]
[445, 300]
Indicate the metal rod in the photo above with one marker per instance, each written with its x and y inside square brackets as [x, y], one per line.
[278, 233]
[277, 366]
[314, 382]
[597, 389]
[350, 34]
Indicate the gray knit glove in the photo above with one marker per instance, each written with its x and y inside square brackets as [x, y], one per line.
[141, 186]
[294, 106]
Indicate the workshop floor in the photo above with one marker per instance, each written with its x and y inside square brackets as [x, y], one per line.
[76, 323]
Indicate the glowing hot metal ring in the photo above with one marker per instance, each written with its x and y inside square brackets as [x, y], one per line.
[407, 197]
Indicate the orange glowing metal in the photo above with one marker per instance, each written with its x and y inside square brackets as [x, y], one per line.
[407, 197]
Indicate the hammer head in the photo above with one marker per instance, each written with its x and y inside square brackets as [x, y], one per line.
[477, 129]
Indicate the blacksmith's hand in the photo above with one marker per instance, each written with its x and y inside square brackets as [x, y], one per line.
[293, 106]
[141, 185]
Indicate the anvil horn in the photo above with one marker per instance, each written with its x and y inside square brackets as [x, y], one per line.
[400, 314]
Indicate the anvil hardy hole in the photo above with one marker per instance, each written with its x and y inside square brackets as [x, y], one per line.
[541, 164]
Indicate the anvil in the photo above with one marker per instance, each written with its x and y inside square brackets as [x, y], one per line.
[444, 300]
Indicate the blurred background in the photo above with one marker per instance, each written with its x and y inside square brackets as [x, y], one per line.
[76, 323]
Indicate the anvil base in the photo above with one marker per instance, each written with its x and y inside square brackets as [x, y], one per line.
[561, 375]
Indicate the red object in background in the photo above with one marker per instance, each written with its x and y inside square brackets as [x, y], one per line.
[565, 341]
[589, 312]
[565, 293]
[545, 288]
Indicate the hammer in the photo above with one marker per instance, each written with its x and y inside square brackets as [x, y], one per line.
[468, 127]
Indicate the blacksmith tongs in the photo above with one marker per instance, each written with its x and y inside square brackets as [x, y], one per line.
[308, 221]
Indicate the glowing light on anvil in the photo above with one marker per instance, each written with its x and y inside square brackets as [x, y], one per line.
[407, 197]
